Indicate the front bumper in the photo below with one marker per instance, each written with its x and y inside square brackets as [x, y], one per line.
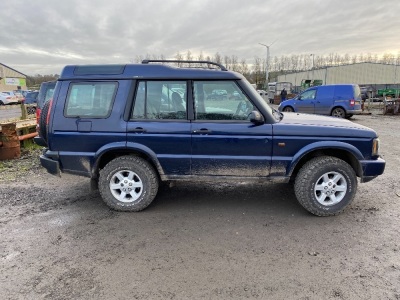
[372, 169]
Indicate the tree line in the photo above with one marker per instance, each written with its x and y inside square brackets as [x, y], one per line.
[255, 70]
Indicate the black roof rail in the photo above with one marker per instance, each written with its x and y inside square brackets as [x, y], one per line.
[146, 61]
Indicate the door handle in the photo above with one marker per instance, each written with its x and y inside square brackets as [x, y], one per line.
[202, 131]
[137, 130]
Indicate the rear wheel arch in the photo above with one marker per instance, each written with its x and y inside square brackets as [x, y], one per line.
[108, 156]
[338, 110]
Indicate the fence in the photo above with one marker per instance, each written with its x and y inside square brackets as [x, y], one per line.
[16, 133]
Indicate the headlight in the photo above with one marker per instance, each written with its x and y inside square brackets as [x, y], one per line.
[375, 147]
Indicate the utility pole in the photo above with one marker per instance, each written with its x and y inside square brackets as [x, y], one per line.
[313, 55]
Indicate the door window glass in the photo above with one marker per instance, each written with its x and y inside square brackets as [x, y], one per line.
[308, 94]
[160, 100]
[220, 100]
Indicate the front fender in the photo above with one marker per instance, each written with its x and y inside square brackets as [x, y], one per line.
[321, 146]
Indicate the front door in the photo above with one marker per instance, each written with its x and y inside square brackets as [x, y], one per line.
[224, 141]
[306, 102]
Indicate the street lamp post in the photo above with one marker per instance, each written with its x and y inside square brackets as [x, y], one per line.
[313, 55]
[267, 64]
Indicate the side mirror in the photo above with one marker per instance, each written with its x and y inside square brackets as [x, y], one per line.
[256, 118]
[298, 97]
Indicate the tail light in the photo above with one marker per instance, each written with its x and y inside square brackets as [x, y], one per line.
[352, 102]
[38, 110]
[48, 112]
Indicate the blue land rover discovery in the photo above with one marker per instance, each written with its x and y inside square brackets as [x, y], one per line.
[129, 127]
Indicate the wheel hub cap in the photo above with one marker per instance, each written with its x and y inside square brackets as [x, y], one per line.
[126, 186]
[330, 188]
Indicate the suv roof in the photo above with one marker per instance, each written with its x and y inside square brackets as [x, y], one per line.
[155, 71]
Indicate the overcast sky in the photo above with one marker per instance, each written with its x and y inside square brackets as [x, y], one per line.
[42, 36]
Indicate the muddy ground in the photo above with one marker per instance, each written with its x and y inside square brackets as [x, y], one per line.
[198, 241]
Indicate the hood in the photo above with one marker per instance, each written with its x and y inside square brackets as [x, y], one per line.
[317, 125]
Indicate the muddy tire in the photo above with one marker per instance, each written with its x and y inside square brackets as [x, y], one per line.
[128, 183]
[325, 185]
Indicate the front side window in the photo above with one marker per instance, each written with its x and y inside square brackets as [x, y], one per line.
[221, 100]
[308, 94]
[163, 100]
[90, 99]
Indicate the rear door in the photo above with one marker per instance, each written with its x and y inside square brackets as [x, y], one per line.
[324, 100]
[158, 124]
[224, 141]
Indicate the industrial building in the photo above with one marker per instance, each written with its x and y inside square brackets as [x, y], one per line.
[380, 76]
[11, 79]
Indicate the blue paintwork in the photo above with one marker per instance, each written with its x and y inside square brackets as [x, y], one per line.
[182, 148]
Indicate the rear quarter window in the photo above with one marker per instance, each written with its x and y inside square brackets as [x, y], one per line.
[90, 99]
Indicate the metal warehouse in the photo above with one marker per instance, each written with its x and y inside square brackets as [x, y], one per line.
[376, 74]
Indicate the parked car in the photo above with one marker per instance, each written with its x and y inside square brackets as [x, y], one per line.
[111, 123]
[16, 94]
[367, 91]
[30, 101]
[45, 93]
[342, 100]
[31, 97]
[218, 95]
[6, 98]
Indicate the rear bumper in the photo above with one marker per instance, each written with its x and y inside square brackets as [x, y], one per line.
[354, 112]
[372, 169]
[51, 165]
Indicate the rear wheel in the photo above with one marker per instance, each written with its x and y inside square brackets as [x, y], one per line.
[288, 109]
[128, 183]
[325, 185]
[338, 112]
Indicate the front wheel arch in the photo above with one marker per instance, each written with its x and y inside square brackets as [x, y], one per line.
[343, 154]
[288, 109]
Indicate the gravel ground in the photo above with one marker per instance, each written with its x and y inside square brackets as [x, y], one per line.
[198, 241]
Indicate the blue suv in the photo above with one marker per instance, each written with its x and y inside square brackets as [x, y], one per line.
[129, 127]
[337, 100]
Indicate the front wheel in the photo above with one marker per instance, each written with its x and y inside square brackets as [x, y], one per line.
[288, 109]
[338, 112]
[128, 183]
[325, 185]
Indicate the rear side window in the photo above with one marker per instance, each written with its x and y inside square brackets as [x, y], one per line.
[357, 92]
[90, 99]
[163, 100]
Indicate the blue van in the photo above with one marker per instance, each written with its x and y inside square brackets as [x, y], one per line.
[339, 100]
